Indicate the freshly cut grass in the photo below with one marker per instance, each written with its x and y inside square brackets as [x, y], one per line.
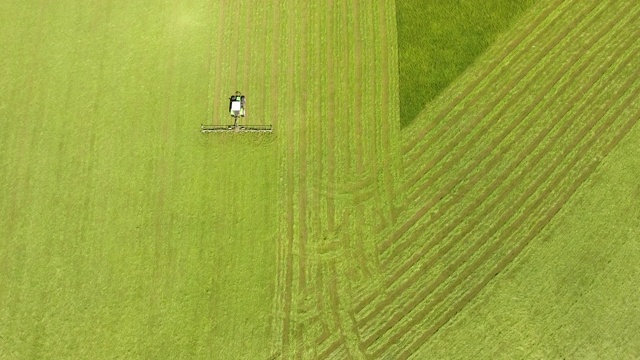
[438, 40]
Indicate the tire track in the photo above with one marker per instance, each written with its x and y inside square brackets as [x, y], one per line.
[330, 130]
[282, 318]
[301, 132]
[554, 168]
[493, 186]
[288, 337]
[388, 178]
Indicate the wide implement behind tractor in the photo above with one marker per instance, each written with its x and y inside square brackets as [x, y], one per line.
[237, 109]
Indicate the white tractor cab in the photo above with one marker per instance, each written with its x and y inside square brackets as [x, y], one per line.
[236, 105]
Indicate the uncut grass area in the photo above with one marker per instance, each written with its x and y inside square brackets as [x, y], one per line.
[125, 232]
[438, 40]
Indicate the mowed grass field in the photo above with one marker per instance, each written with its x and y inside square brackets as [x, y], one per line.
[471, 232]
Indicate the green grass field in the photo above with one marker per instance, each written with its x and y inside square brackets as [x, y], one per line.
[499, 222]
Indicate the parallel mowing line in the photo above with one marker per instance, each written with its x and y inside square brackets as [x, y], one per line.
[334, 31]
[347, 328]
[348, 134]
[359, 237]
[369, 186]
[419, 187]
[335, 304]
[515, 252]
[316, 304]
[460, 134]
[352, 337]
[296, 136]
[538, 184]
[360, 141]
[468, 210]
[301, 68]
[442, 193]
[452, 128]
[281, 312]
[443, 294]
[329, 138]
[532, 26]
[461, 149]
[330, 122]
[289, 160]
[376, 160]
[498, 181]
[321, 271]
[407, 225]
[389, 181]
[520, 245]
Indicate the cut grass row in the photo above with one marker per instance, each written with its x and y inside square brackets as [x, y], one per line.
[463, 213]
[548, 214]
[353, 221]
[313, 284]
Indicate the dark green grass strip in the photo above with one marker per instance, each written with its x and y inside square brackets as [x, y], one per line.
[438, 40]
